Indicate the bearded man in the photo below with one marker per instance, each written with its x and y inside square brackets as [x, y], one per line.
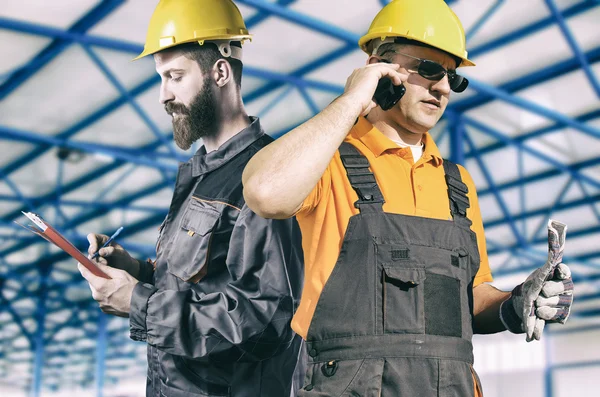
[216, 304]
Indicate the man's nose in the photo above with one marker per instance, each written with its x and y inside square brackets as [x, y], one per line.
[165, 94]
[442, 86]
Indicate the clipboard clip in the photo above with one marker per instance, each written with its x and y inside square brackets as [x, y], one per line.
[36, 220]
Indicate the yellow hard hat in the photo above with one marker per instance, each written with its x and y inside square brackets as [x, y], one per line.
[430, 22]
[176, 22]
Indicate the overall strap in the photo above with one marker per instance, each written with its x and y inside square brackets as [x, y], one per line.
[457, 194]
[361, 179]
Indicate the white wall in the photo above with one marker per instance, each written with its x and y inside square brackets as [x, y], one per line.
[509, 366]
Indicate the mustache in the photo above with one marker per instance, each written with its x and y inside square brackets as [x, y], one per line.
[171, 107]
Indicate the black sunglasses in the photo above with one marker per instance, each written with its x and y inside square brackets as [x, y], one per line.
[435, 72]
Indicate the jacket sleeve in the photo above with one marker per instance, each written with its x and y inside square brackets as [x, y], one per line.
[146, 272]
[250, 319]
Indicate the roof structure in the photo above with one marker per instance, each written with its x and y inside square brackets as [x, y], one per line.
[86, 144]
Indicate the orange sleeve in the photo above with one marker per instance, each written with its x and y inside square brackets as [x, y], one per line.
[474, 214]
[314, 197]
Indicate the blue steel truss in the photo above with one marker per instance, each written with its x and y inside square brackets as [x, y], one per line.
[49, 358]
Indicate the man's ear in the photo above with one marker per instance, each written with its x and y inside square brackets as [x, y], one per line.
[222, 72]
[374, 59]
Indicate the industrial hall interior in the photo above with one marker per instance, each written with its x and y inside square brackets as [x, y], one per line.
[87, 145]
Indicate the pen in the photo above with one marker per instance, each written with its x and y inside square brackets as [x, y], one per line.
[119, 230]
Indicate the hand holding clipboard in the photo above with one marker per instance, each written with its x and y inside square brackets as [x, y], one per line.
[49, 233]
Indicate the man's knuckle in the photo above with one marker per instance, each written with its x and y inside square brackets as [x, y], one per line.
[101, 290]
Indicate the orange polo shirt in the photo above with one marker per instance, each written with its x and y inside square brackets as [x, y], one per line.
[410, 189]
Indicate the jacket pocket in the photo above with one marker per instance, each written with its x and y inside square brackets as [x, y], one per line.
[403, 299]
[190, 250]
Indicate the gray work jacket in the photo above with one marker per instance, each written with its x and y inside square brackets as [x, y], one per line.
[216, 309]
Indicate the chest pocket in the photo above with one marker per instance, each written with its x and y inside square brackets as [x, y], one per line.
[190, 250]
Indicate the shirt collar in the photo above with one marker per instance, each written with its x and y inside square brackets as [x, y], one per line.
[203, 162]
[378, 143]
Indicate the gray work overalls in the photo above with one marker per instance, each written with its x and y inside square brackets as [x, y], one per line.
[395, 316]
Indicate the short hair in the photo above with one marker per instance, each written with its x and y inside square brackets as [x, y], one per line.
[383, 48]
[208, 54]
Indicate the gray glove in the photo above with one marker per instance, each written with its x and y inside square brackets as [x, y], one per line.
[546, 295]
[554, 303]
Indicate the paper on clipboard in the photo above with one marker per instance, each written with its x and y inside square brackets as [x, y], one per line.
[46, 231]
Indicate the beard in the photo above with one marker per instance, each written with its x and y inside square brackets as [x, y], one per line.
[196, 122]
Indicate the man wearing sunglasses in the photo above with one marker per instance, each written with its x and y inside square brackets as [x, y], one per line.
[428, 69]
[395, 255]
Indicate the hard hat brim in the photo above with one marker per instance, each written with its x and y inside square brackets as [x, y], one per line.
[364, 42]
[147, 52]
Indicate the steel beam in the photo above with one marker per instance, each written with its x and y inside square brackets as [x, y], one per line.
[50, 259]
[581, 58]
[88, 204]
[274, 102]
[303, 20]
[56, 47]
[586, 231]
[583, 118]
[131, 229]
[498, 135]
[301, 71]
[545, 210]
[545, 74]
[483, 19]
[116, 152]
[79, 126]
[499, 199]
[533, 107]
[261, 16]
[166, 142]
[575, 167]
[65, 35]
[15, 316]
[39, 342]
[76, 184]
[457, 132]
[101, 348]
[530, 29]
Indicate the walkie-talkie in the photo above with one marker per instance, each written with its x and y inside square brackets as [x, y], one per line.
[387, 94]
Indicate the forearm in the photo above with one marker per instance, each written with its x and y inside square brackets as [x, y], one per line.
[486, 309]
[279, 177]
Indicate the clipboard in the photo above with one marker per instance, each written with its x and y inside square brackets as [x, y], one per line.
[48, 233]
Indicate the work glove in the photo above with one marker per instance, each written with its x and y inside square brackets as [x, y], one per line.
[545, 296]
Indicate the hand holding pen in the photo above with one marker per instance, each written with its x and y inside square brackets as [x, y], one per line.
[110, 240]
[113, 254]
